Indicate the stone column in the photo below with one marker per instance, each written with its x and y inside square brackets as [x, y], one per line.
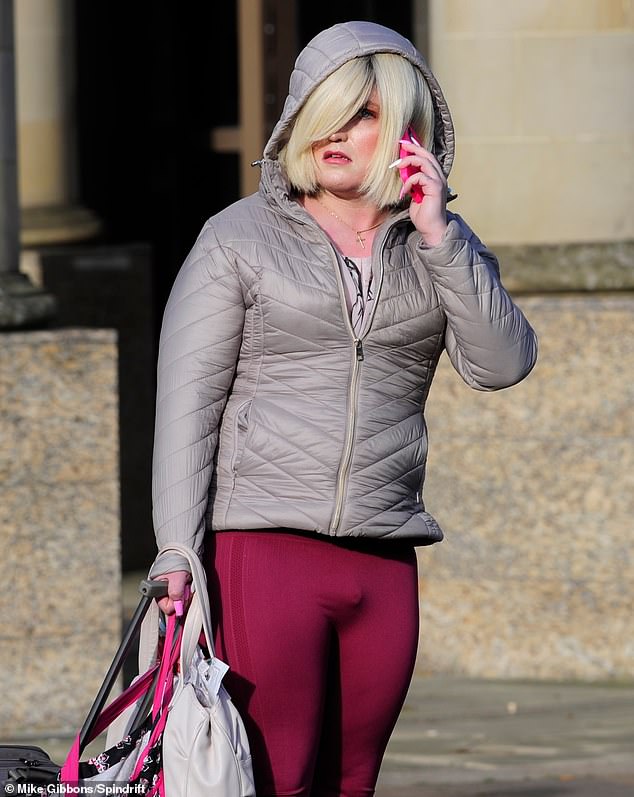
[46, 125]
[20, 303]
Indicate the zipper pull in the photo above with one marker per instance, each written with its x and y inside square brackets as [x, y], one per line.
[358, 345]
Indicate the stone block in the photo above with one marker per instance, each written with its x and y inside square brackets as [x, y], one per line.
[534, 488]
[478, 78]
[498, 180]
[460, 17]
[540, 95]
[581, 267]
[59, 525]
[558, 108]
[509, 629]
[49, 682]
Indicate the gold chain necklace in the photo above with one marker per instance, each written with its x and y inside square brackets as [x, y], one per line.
[360, 240]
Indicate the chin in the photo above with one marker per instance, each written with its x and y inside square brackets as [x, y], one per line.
[351, 187]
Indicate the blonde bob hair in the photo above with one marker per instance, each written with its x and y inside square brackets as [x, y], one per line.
[405, 100]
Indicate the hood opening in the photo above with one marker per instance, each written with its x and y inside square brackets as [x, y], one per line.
[333, 47]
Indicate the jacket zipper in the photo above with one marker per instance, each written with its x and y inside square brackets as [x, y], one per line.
[353, 393]
[344, 463]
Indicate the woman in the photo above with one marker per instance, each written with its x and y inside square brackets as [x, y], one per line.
[297, 352]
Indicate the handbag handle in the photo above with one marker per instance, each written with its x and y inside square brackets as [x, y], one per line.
[194, 625]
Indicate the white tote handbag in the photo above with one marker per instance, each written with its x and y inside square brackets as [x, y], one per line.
[205, 746]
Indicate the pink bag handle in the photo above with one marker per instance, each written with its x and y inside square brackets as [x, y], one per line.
[163, 691]
[70, 770]
[165, 681]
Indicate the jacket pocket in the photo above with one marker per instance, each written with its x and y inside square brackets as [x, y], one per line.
[240, 430]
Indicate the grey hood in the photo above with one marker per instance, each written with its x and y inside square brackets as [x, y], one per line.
[333, 47]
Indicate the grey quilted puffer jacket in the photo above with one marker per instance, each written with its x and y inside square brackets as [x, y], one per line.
[270, 413]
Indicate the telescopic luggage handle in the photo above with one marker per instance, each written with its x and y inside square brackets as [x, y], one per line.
[150, 590]
[153, 588]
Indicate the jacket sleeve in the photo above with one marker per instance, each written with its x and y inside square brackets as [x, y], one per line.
[488, 339]
[198, 351]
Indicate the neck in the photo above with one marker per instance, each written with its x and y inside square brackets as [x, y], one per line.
[357, 211]
[351, 224]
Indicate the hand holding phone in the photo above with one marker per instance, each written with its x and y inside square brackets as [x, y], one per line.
[407, 171]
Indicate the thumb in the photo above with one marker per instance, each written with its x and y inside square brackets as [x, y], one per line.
[180, 603]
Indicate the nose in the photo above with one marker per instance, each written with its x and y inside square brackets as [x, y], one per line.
[338, 135]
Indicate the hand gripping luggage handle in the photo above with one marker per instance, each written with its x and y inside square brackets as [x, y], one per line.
[193, 621]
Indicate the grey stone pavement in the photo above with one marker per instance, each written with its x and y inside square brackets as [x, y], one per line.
[461, 737]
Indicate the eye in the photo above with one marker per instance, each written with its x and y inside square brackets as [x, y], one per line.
[366, 113]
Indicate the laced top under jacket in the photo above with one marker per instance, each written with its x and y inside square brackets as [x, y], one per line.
[357, 283]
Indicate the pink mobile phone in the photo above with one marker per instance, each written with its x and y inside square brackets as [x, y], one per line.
[408, 171]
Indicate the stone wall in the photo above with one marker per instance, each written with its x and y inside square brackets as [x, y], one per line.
[534, 487]
[59, 526]
[540, 92]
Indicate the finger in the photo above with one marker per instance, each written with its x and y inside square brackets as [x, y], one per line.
[430, 166]
[413, 163]
[180, 598]
[166, 605]
[415, 187]
[401, 163]
[426, 155]
[184, 604]
[164, 600]
[410, 144]
[430, 184]
[176, 592]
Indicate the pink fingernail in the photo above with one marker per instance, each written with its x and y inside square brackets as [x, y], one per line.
[178, 608]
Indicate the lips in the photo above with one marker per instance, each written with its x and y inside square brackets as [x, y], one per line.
[334, 156]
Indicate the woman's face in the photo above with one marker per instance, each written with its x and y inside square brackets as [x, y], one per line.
[342, 160]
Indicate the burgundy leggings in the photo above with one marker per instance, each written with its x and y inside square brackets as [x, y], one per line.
[321, 639]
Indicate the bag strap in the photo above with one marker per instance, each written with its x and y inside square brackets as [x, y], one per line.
[163, 692]
[165, 680]
[148, 638]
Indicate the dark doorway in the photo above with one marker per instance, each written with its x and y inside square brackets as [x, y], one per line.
[153, 80]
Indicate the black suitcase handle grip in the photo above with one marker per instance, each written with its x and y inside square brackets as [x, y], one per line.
[153, 589]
